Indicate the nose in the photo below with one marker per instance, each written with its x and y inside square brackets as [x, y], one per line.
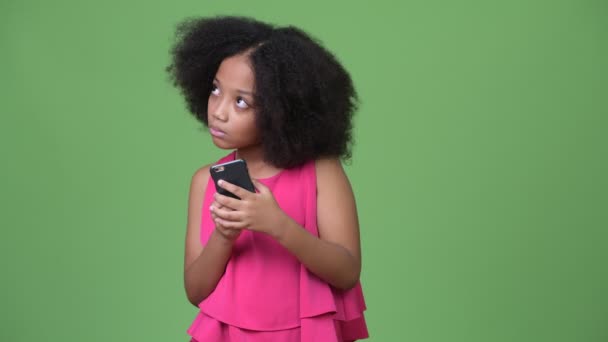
[220, 117]
[220, 111]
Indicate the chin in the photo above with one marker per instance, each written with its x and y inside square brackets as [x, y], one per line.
[223, 144]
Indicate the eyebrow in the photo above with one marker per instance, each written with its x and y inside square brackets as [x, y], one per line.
[238, 90]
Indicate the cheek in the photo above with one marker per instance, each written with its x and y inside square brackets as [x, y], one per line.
[210, 103]
[254, 129]
[247, 127]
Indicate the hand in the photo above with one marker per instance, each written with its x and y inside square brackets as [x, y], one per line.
[255, 211]
[230, 234]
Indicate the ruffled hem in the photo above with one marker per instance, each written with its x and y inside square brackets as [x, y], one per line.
[324, 328]
[206, 328]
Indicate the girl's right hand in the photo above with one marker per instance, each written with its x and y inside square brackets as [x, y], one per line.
[230, 234]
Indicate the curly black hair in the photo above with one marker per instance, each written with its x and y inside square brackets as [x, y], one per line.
[305, 99]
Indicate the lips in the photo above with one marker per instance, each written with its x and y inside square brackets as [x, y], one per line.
[216, 132]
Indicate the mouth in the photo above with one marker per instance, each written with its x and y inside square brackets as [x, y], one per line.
[216, 132]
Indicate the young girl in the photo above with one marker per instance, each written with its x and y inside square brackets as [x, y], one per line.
[283, 263]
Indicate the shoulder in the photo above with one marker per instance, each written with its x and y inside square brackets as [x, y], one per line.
[198, 187]
[331, 175]
[201, 177]
[329, 168]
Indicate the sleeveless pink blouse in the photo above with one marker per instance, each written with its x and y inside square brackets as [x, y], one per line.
[266, 294]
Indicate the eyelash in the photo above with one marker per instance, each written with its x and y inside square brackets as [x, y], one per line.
[243, 100]
[214, 89]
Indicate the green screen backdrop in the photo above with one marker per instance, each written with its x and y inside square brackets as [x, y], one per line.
[479, 167]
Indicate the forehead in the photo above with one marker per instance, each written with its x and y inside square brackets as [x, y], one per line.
[236, 72]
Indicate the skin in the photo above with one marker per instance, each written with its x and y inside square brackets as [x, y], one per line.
[334, 256]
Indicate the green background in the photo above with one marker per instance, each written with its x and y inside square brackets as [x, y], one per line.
[479, 167]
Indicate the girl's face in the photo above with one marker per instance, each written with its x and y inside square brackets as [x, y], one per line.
[231, 116]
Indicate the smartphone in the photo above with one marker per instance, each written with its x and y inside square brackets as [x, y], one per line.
[234, 172]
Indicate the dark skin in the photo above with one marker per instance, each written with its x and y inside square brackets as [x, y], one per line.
[334, 256]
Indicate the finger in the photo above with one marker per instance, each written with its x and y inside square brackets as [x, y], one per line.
[233, 231]
[211, 211]
[213, 216]
[229, 215]
[230, 224]
[225, 201]
[235, 189]
[229, 233]
[217, 204]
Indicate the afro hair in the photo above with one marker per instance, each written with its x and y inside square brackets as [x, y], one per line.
[305, 99]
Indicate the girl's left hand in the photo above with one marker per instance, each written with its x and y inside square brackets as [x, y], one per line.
[254, 211]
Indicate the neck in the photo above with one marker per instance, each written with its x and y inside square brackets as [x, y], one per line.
[254, 157]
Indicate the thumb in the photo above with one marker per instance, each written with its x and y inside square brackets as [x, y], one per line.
[260, 187]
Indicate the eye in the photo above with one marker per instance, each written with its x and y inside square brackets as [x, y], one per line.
[241, 103]
[215, 90]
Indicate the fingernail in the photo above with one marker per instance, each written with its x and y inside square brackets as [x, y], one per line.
[220, 182]
[211, 208]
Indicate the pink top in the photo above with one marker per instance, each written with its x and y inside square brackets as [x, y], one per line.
[265, 288]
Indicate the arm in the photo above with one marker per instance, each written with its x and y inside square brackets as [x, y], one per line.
[335, 255]
[203, 266]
